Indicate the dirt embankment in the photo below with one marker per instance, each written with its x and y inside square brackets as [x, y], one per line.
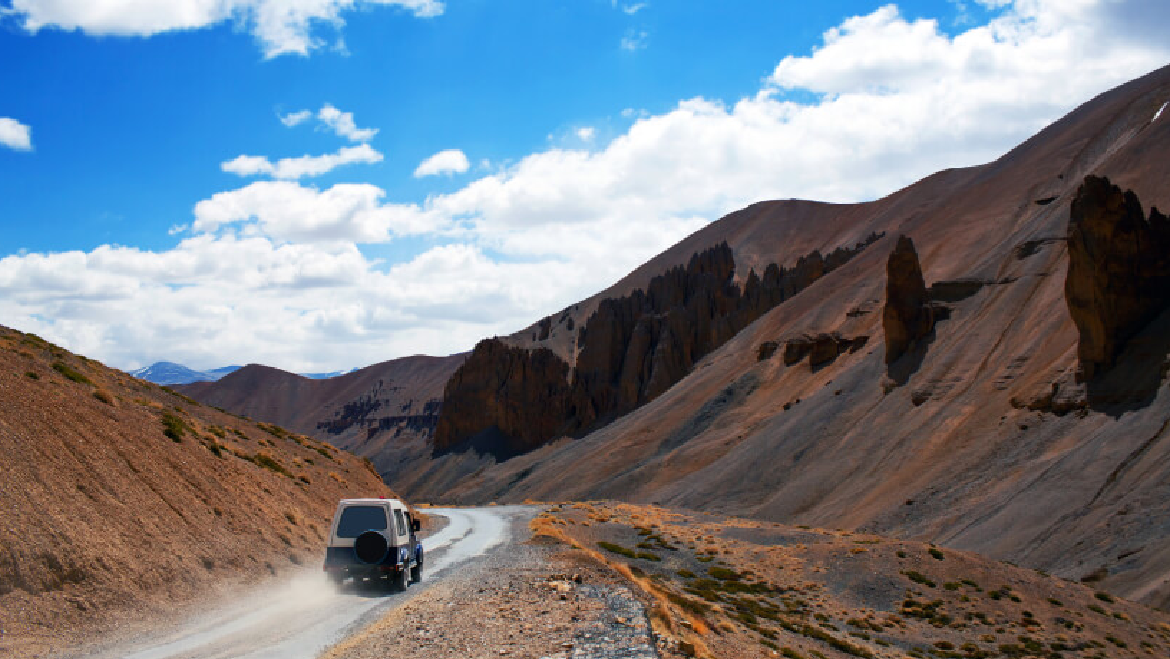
[123, 500]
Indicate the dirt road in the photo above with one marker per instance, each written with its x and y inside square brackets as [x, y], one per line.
[301, 618]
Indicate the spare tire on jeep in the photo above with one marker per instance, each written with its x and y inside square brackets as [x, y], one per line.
[370, 547]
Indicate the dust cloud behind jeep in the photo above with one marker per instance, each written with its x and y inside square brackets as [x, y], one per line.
[375, 540]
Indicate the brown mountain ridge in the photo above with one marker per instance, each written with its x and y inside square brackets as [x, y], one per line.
[986, 428]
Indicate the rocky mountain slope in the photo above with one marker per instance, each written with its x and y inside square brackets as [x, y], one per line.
[936, 385]
[981, 429]
[121, 496]
[386, 412]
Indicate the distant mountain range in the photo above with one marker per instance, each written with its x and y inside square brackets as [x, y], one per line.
[167, 373]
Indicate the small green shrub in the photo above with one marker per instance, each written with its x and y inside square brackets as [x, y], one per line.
[616, 549]
[274, 430]
[647, 556]
[32, 376]
[938, 555]
[70, 373]
[269, 463]
[918, 577]
[186, 399]
[103, 397]
[687, 604]
[723, 574]
[685, 574]
[174, 427]
[1104, 597]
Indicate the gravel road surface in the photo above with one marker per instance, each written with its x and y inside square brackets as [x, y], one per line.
[302, 617]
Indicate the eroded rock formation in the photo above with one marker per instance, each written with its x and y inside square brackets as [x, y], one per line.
[636, 347]
[820, 348]
[1118, 270]
[519, 394]
[632, 349]
[907, 316]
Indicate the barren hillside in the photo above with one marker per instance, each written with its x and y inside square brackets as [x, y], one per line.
[385, 412]
[121, 498]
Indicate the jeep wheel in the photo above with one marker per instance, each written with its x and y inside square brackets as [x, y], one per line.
[416, 572]
[402, 581]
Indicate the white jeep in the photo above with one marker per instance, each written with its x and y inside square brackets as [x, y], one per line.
[374, 539]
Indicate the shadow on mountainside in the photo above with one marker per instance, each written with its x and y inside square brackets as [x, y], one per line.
[908, 364]
[490, 441]
[1133, 381]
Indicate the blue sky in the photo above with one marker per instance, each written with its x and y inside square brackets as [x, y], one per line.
[139, 126]
[594, 134]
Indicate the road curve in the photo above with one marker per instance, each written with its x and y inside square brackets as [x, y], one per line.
[302, 617]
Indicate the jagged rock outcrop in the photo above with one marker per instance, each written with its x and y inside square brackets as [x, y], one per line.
[518, 394]
[907, 316]
[1118, 270]
[632, 349]
[636, 347]
[820, 348]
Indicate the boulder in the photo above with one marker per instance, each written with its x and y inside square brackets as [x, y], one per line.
[766, 350]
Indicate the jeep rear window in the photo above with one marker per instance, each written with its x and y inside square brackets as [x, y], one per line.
[356, 520]
[401, 525]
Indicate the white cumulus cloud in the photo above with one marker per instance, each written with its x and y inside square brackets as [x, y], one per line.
[281, 26]
[15, 135]
[289, 212]
[288, 274]
[295, 118]
[448, 161]
[300, 167]
[342, 123]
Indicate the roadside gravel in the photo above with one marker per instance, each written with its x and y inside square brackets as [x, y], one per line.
[523, 600]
